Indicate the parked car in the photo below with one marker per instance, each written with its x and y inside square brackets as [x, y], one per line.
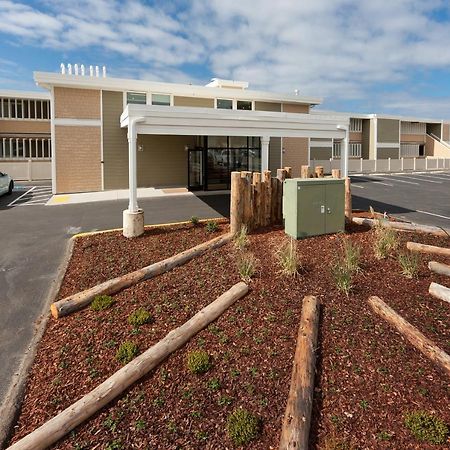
[6, 184]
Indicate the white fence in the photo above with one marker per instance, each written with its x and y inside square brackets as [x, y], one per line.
[384, 165]
[27, 170]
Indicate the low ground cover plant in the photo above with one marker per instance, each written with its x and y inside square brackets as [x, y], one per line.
[351, 255]
[426, 427]
[343, 277]
[288, 258]
[198, 361]
[102, 302]
[195, 220]
[242, 426]
[127, 352]
[211, 226]
[247, 266]
[409, 263]
[140, 317]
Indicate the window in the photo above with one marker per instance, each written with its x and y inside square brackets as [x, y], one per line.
[22, 108]
[35, 148]
[223, 103]
[244, 105]
[161, 99]
[356, 125]
[137, 98]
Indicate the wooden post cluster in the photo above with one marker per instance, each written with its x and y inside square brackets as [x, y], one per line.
[336, 173]
[256, 199]
[305, 172]
[319, 172]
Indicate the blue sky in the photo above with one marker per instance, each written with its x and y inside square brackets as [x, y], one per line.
[384, 56]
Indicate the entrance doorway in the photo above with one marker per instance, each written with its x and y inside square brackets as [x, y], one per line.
[210, 166]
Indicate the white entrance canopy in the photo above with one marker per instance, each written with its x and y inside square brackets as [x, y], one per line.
[176, 120]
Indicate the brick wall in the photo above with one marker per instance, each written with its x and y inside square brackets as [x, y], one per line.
[78, 166]
[77, 103]
[24, 126]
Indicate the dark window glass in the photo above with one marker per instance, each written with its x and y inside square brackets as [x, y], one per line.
[224, 103]
[161, 99]
[244, 105]
[137, 98]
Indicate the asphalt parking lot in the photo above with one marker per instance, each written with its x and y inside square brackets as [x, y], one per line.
[415, 197]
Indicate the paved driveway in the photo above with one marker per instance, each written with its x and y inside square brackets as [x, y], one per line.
[33, 239]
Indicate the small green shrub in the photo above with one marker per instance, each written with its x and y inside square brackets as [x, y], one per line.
[351, 255]
[195, 220]
[288, 258]
[211, 226]
[102, 302]
[247, 265]
[386, 241]
[213, 384]
[409, 263]
[127, 352]
[140, 317]
[198, 361]
[342, 276]
[114, 445]
[242, 426]
[427, 428]
[241, 238]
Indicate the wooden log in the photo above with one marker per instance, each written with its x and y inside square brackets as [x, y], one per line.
[336, 173]
[304, 171]
[424, 248]
[288, 172]
[412, 334]
[247, 199]
[268, 196]
[439, 268]
[281, 176]
[439, 291]
[257, 198]
[77, 301]
[274, 202]
[318, 170]
[236, 202]
[74, 415]
[348, 199]
[402, 226]
[297, 417]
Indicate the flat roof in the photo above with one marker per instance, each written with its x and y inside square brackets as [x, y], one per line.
[33, 95]
[49, 79]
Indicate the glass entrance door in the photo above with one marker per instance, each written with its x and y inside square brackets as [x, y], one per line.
[195, 169]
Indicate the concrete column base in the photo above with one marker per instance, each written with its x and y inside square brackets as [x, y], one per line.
[133, 223]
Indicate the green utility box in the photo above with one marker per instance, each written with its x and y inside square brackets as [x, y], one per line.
[313, 206]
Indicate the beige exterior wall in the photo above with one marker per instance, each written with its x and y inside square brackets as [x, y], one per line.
[388, 130]
[365, 138]
[267, 106]
[436, 149]
[18, 126]
[416, 138]
[77, 103]
[372, 138]
[446, 132]
[295, 108]
[355, 136]
[115, 142]
[274, 154]
[193, 101]
[295, 154]
[78, 167]
[163, 161]
[320, 153]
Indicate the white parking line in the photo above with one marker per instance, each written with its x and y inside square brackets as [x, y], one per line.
[420, 179]
[401, 181]
[380, 182]
[23, 195]
[433, 214]
[437, 177]
[357, 186]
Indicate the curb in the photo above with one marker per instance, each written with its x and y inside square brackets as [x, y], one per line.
[155, 225]
[10, 408]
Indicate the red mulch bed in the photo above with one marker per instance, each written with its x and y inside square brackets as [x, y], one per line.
[368, 376]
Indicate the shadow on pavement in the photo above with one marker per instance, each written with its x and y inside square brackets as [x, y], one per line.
[218, 202]
[365, 203]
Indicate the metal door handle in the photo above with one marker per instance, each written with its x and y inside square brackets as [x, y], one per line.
[322, 209]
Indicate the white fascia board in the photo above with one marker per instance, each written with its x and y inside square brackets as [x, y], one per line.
[207, 121]
[345, 115]
[32, 95]
[48, 79]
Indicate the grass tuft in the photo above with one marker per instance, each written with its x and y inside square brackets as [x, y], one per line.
[288, 258]
[195, 220]
[247, 265]
[343, 276]
[351, 256]
[211, 226]
[241, 238]
[386, 240]
[409, 263]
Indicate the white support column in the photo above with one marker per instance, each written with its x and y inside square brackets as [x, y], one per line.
[344, 154]
[265, 140]
[133, 217]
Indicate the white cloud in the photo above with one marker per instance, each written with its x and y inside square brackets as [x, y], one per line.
[340, 49]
